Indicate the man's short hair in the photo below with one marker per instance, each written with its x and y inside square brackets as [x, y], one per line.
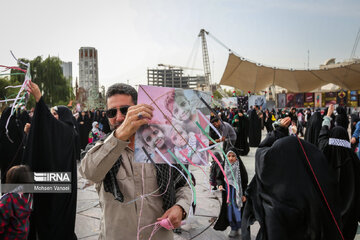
[215, 119]
[122, 88]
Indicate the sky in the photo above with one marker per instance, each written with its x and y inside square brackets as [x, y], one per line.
[134, 35]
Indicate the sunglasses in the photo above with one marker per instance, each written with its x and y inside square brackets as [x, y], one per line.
[110, 113]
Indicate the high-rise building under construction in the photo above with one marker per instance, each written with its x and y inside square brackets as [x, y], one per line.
[175, 78]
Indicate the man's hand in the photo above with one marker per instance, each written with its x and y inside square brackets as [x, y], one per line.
[34, 90]
[175, 214]
[353, 140]
[132, 121]
[221, 188]
[330, 110]
[285, 122]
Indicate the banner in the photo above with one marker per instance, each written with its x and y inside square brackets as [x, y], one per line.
[341, 98]
[270, 105]
[230, 102]
[259, 100]
[243, 102]
[290, 100]
[299, 100]
[330, 98]
[318, 100]
[281, 97]
[353, 99]
[309, 100]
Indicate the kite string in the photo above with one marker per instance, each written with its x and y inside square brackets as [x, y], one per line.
[222, 151]
[156, 224]
[171, 165]
[208, 122]
[188, 173]
[23, 86]
[319, 186]
[14, 68]
[142, 198]
[221, 168]
[189, 160]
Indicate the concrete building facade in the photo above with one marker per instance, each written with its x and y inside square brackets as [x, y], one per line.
[88, 69]
[175, 78]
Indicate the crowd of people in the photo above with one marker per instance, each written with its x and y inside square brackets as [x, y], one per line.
[284, 197]
[306, 183]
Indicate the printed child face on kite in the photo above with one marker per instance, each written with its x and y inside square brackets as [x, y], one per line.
[181, 108]
[154, 137]
[175, 137]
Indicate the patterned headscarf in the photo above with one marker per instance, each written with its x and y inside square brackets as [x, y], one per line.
[236, 183]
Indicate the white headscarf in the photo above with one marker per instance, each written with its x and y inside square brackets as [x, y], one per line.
[94, 129]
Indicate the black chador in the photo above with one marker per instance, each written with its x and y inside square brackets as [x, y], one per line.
[11, 143]
[51, 147]
[343, 161]
[283, 195]
[84, 124]
[313, 128]
[254, 129]
[241, 126]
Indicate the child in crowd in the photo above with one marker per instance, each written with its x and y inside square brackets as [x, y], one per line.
[95, 133]
[15, 207]
[230, 213]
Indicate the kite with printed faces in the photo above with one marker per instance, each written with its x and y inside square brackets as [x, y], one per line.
[173, 130]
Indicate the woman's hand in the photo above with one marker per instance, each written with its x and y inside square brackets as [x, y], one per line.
[330, 110]
[243, 199]
[35, 91]
[221, 188]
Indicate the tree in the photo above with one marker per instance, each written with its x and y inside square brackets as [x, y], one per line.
[49, 76]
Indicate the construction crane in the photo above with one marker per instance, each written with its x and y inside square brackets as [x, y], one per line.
[355, 45]
[206, 60]
[173, 66]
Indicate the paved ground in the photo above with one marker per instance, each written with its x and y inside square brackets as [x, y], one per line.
[197, 227]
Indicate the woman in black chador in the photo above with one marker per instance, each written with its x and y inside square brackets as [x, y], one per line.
[51, 147]
[241, 126]
[255, 127]
[284, 196]
[84, 128]
[313, 128]
[335, 145]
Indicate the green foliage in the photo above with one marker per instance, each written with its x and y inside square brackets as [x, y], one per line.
[47, 74]
[217, 95]
[10, 92]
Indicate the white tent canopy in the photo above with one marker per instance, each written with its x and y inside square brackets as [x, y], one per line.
[249, 76]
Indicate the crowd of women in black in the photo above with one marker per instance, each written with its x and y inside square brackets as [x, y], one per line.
[302, 189]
